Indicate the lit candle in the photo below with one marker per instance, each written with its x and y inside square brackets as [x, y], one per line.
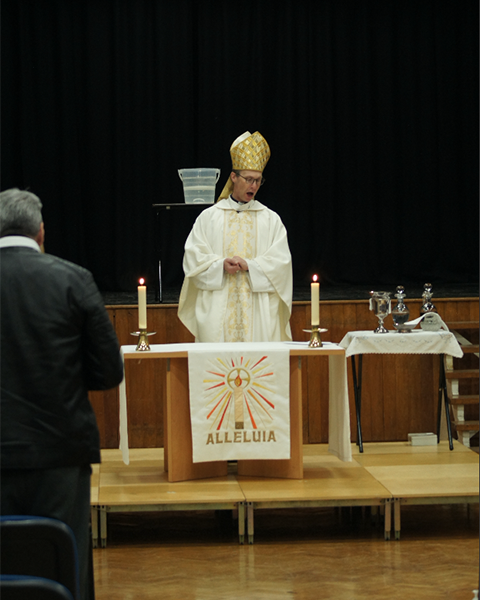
[315, 287]
[142, 304]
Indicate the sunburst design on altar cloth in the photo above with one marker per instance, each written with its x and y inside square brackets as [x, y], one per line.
[239, 395]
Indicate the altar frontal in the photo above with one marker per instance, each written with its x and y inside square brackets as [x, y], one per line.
[239, 401]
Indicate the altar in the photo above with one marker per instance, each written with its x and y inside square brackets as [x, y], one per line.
[178, 446]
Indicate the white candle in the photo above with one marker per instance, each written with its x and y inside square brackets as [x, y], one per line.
[142, 304]
[315, 288]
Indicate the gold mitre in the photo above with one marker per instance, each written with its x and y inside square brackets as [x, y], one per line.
[249, 152]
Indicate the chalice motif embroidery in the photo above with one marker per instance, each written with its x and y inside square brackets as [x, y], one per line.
[239, 395]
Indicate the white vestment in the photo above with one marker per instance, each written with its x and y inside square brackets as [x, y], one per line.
[250, 306]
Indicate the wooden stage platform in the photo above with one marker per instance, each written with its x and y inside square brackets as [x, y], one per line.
[386, 476]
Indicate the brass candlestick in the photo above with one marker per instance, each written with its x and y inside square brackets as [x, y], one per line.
[143, 345]
[315, 339]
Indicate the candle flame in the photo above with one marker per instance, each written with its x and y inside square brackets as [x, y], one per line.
[315, 278]
[238, 381]
[141, 281]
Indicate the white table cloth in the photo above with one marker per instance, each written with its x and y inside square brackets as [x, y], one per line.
[416, 341]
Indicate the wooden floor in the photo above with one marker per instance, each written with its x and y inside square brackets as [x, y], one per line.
[316, 538]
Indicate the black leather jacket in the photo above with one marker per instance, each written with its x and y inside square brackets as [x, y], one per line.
[57, 342]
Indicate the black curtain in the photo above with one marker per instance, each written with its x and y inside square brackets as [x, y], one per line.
[370, 108]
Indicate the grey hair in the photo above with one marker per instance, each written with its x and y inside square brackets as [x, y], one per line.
[20, 213]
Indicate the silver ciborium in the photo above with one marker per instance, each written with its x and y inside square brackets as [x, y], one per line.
[380, 304]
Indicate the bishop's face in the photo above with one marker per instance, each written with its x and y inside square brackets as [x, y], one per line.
[245, 185]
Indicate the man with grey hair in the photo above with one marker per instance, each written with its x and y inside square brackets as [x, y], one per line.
[56, 343]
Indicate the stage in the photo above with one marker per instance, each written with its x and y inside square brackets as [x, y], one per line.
[400, 397]
[386, 476]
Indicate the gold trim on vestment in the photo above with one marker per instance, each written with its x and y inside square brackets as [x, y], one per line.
[240, 234]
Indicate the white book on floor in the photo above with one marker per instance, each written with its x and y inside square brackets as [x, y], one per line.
[422, 439]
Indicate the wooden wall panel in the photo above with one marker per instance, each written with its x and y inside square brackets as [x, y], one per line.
[315, 402]
[399, 392]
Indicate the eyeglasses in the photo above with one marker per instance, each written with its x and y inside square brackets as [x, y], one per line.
[251, 180]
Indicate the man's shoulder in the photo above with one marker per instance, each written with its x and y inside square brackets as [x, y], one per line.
[267, 211]
[25, 251]
[264, 207]
[43, 262]
[207, 213]
[221, 204]
[61, 263]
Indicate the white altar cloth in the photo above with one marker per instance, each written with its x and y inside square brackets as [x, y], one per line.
[239, 401]
[416, 341]
[339, 438]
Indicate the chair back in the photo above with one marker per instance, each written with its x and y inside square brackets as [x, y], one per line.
[39, 547]
[21, 587]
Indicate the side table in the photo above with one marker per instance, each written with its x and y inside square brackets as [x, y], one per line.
[416, 341]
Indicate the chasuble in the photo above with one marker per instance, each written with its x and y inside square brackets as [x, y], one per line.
[249, 306]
